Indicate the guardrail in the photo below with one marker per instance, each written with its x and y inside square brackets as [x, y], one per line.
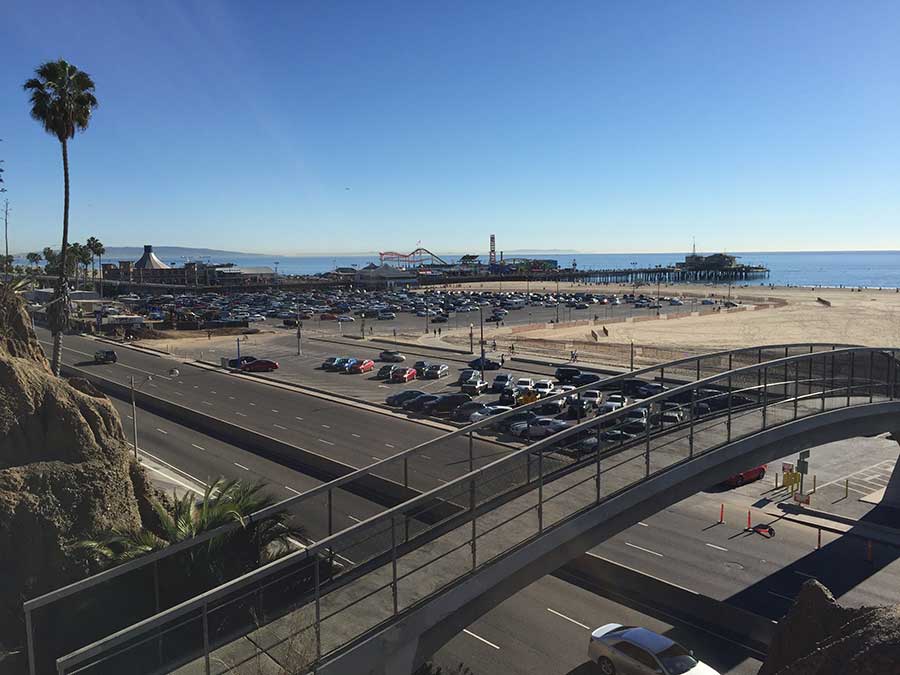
[399, 559]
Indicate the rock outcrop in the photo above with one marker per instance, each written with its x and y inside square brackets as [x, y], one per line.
[66, 471]
[820, 637]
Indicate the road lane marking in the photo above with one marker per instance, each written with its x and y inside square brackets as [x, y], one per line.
[212, 392]
[196, 386]
[645, 550]
[172, 478]
[718, 548]
[425, 457]
[804, 574]
[231, 398]
[356, 435]
[325, 426]
[377, 459]
[241, 466]
[354, 518]
[296, 492]
[278, 426]
[199, 447]
[568, 618]
[298, 418]
[251, 403]
[129, 417]
[643, 524]
[389, 445]
[779, 595]
[478, 637]
[274, 411]
[322, 440]
[178, 393]
[162, 431]
[207, 403]
[238, 412]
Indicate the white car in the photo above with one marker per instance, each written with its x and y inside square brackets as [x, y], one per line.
[524, 383]
[490, 411]
[592, 395]
[538, 428]
[638, 651]
[564, 388]
[618, 399]
[543, 387]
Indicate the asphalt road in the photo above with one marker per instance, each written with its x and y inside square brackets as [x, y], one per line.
[354, 436]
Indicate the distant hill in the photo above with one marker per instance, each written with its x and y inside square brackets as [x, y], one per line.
[166, 253]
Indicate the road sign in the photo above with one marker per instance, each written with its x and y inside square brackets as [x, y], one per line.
[804, 454]
[802, 466]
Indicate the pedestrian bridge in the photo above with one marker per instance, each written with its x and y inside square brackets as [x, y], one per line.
[381, 596]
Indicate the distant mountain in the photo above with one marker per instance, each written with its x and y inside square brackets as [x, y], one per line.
[175, 253]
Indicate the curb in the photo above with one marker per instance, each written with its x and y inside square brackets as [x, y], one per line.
[413, 345]
[558, 364]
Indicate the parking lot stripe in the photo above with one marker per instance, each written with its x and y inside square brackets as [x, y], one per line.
[237, 412]
[718, 548]
[298, 418]
[568, 618]
[325, 426]
[274, 411]
[162, 431]
[356, 435]
[199, 447]
[278, 426]
[322, 440]
[296, 492]
[241, 466]
[478, 637]
[645, 550]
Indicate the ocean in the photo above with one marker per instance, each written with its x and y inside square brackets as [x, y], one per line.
[874, 269]
[843, 268]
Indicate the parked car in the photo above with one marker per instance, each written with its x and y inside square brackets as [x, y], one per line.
[418, 404]
[617, 399]
[345, 319]
[386, 316]
[349, 364]
[650, 389]
[385, 372]
[565, 374]
[554, 407]
[501, 382]
[489, 411]
[402, 397]
[338, 364]
[524, 416]
[585, 378]
[467, 375]
[523, 383]
[436, 371]
[537, 428]
[579, 409]
[543, 387]
[593, 396]
[391, 356]
[238, 363]
[748, 476]
[616, 436]
[445, 404]
[626, 649]
[440, 318]
[109, 356]
[260, 366]
[465, 412]
[489, 364]
[403, 375]
[421, 367]
[362, 366]
[475, 387]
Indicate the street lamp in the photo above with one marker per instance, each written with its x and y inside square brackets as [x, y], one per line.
[471, 338]
[173, 372]
[557, 298]
[481, 318]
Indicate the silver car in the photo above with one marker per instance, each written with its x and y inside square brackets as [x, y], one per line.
[627, 650]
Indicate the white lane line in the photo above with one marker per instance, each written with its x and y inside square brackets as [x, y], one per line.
[178, 393]
[274, 411]
[231, 398]
[568, 618]
[238, 412]
[478, 637]
[296, 492]
[129, 417]
[212, 392]
[196, 386]
[804, 574]
[389, 445]
[172, 478]
[325, 426]
[150, 384]
[645, 550]
[162, 431]
[241, 466]
[779, 595]
[425, 457]
[643, 524]
[199, 447]
[356, 435]
[441, 480]
[322, 440]
[251, 403]
[354, 518]
[278, 426]
[207, 403]
[143, 451]
[298, 418]
[377, 459]
[718, 548]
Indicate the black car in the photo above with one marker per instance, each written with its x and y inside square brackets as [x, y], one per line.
[565, 374]
[579, 409]
[419, 402]
[526, 416]
[650, 389]
[384, 372]
[511, 397]
[550, 408]
[421, 367]
[466, 410]
[585, 378]
[328, 363]
[489, 364]
[440, 318]
[445, 404]
[402, 397]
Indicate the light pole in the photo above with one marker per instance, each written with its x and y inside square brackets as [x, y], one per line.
[299, 338]
[471, 338]
[557, 298]
[657, 293]
[425, 297]
[481, 319]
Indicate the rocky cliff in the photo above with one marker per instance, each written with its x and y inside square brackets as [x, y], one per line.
[66, 471]
[819, 637]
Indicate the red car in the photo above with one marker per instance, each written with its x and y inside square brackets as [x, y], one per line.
[403, 375]
[363, 366]
[747, 476]
[327, 317]
[260, 366]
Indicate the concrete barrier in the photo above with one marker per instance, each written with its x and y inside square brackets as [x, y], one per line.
[625, 585]
[374, 488]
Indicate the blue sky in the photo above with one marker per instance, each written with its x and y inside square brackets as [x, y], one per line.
[340, 127]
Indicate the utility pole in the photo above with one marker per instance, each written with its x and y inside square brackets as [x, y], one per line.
[481, 317]
[134, 418]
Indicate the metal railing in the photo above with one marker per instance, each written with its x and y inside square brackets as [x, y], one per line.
[401, 557]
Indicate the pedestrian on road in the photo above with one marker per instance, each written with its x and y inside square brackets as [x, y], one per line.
[512, 349]
[502, 360]
[439, 331]
[572, 355]
[575, 357]
[494, 345]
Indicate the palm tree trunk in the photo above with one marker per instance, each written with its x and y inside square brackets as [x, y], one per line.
[62, 295]
[100, 269]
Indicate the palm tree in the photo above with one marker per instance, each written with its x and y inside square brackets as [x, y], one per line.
[34, 258]
[224, 557]
[95, 246]
[75, 258]
[84, 257]
[62, 100]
